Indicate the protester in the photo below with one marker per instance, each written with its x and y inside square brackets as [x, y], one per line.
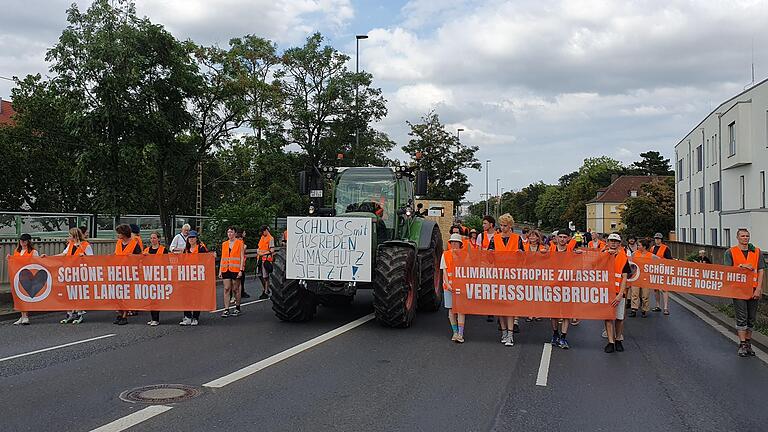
[507, 241]
[154, 248]
[489, 230]
[180, 240]
[264, 266]
[84, 230]
[535, 244]
[241, 236]
[596, 243]
[25, 248]
[76, 246]
[560, 327]
[631, 246]
[702, 257]
[473, 245]
[230, 270]
[136, 234]
[747, 256]
[621, 269]
[641, 297]
[662, 251]
[524, 235]
[126, 245]
[446, 265]
[193, 245]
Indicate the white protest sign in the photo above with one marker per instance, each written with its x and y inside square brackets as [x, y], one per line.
[330, 248]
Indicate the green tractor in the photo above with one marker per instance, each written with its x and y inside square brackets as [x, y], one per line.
[405, 249]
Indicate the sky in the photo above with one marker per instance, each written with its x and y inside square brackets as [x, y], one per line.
[537, 85]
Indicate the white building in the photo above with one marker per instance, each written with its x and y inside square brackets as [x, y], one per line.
[720, 173]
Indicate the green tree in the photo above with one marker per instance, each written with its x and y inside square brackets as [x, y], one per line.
[443, 156]
[594, 174]
[651, 212]
[522, 204]
[550, 207]
[652, 163]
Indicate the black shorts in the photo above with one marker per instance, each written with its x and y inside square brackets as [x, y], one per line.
[229, 275]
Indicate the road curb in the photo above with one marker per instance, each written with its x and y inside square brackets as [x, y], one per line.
[758, 339]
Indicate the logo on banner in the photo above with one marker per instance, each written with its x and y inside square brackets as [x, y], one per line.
[635, 275]
[32, 283]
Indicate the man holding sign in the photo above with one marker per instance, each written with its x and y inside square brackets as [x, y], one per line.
[747, 256]
[614, 328]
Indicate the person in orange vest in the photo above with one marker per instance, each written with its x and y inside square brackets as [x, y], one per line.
[241, 236]
[535, 244]
[446, 265]
[596, 243]
[507, 241]
[193, 245]
[125, 245]
[25, 248]
[560, 327]
[614, 328]
[231, 269]
[662, 251]
[489, 230]
[136, 233]
[265, 254]
[641, 297]
[745, 255]
[76, 246]
[473, 245]
[154, 248]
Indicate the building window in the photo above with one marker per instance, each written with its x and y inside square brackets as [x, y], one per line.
[613, 225]
[762, 189]
[688, 202]
[701, 199]
[699, 158]
[613, 209]
[680, 170]
[727, 237]
[713, 236]
[742, 198]
[682, 234]
[716, 147]
[731, 139]
[709, 150]
[633, 193]
[716, 202]
[693, 235]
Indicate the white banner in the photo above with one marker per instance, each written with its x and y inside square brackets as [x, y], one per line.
[330, 248]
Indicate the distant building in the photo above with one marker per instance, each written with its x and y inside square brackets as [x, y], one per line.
[604, 212]
[720, 172]
[6, 112]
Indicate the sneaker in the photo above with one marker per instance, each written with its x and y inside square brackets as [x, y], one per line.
[510, 341]
[78, 318]
[117, 320]
[609, 348]
[555, 340]
[666, 311]
[460, 339]
[245, 295]
[633, 313]
[644, 314]
[564, 343]
[504, 337]
[122, 321]
[750, 351]
[656, 309]
[21, 321]
[619, 346]
[225, 314]
[515, 328]
[529, 319]
[575, 322]
[153, 323]
[455, 337]
[70, 317]
[186, 321]
[537, 319]
[263, 296]
[604, 334]
[743, 350]
[236, 312]
[194, 322]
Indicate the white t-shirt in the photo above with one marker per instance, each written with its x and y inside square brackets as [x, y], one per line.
[443, 265]
[178, 244]
[24, 252]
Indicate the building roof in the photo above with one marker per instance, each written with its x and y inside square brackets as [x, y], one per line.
[6, 112]
[621, 189]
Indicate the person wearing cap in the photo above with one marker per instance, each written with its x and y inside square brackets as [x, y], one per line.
[193, 245]
[560, 326]
[662, 251]
[136, 233]
[614, 328]
[180, 240]
[25, 248]
[745, 255]
[446, 265]
[641, 297]
[507, 241]
[473, 245]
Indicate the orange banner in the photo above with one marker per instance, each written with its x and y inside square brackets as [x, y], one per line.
[691, 277]
[562, 285]
[133, 282]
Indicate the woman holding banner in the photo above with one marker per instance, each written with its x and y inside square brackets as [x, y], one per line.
[614, 328]
[641, 297]
[534, 244]
[446, 265]
[77, 246]
[193, 246]
[507, 241]
[25, 248]
[155, 248]
[125, 245]
[560, 326]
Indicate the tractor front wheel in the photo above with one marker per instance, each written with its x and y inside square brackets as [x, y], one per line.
[395, 286]
[431, 277]
[290, 301]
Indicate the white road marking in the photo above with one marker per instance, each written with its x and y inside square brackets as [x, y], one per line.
[546, 354]
[55, 347]
[290, 352]
[717, 326]
[133, 419]
[241, 304]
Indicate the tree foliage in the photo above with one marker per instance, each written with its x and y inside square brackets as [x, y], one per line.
[652, 163]
[651, 212]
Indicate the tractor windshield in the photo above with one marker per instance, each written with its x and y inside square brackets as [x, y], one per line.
[370, 190]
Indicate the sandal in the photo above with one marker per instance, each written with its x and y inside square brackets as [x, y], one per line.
[666, 311]
[656, 309]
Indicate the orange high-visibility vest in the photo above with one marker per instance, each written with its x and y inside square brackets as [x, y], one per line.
[472, 245]
[600, 245]
[511, 246]
[527, 247]
[138, 239]
[128, 250]
[662, 249]
[752, 257]
[618, 269]
[230, 259]
[196, 248]
[24, 252]
[486, 240]
[160, 250]
[448, 257]
[81, 248]
[646, 254]
[264, 247]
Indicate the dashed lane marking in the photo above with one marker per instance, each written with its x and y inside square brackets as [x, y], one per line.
[133, 419]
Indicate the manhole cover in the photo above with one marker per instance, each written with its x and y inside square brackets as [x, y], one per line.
[160, 394]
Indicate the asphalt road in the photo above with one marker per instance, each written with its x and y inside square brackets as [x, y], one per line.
[677, 373]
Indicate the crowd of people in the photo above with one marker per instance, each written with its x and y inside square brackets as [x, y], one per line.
[500, 237]
[129, 242]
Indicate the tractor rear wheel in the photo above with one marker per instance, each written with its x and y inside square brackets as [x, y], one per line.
[290, 301]
[395, 286]
[431, 277]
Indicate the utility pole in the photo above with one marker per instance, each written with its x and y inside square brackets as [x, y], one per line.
[199, 197]
[357, 90]
[487, 194]
[498, 198]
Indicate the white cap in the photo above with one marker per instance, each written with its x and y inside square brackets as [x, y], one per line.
[614, 236]
[456, 238]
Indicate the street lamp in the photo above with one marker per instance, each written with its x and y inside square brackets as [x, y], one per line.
[458, 134]
[498, 197]
[487, 194]
[357, 90]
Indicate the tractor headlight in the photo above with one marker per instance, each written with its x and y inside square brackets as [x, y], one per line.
[311, 209]
[408, 212]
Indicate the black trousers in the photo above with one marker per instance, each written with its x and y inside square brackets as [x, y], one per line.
[192, 315]
[155, 315]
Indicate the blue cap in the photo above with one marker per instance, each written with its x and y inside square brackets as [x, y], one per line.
[135, 229]
[192, 233]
